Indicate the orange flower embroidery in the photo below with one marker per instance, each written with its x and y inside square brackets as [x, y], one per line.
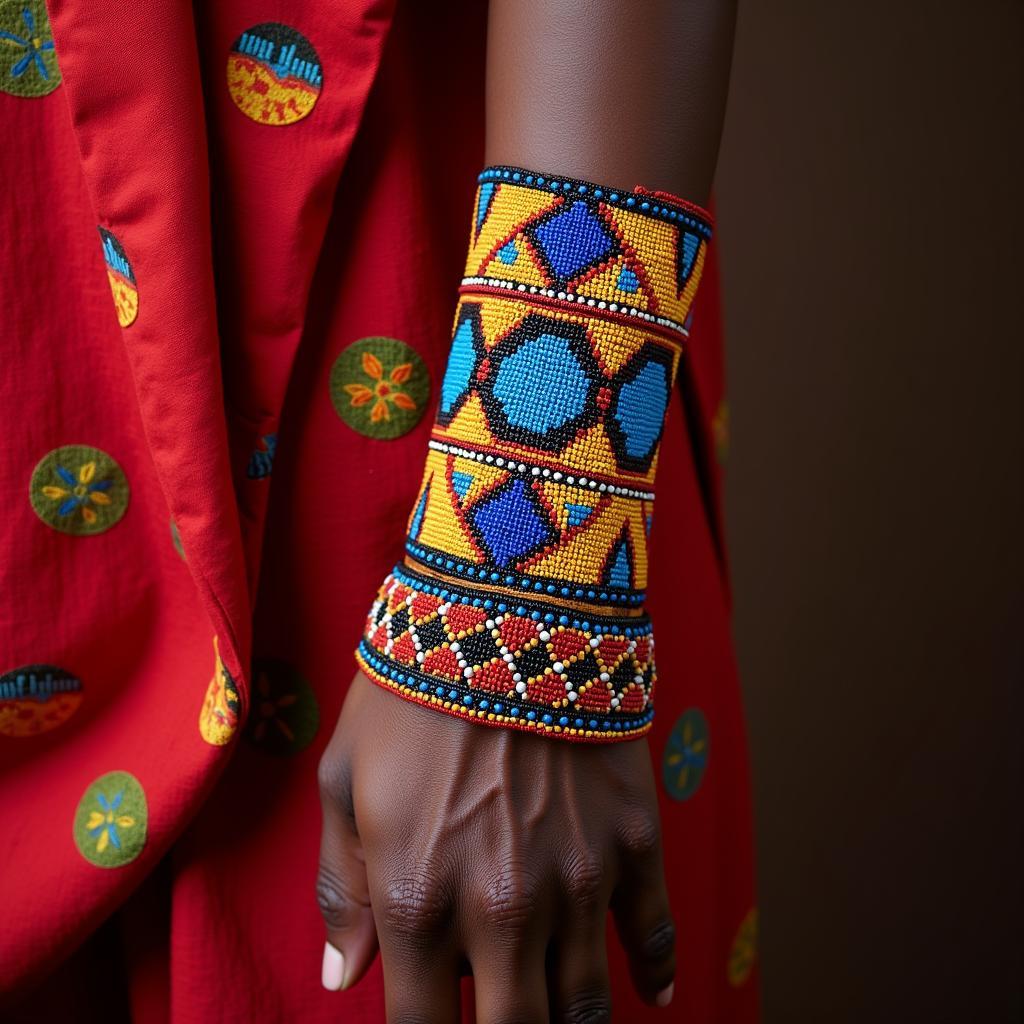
[383, 390]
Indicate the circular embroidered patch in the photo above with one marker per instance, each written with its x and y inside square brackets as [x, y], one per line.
[284, 716]
[218, 717]
[686, 755]
[743, 954]
[36, 699]
[176, 539]
[121, 278]
[111, 820]
[274, 74]
[380, 387]
[28, 63]
[79, 490]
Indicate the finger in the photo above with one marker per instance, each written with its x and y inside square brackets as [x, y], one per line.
[578, 978]
[579, 984]
[510, 987]
[506, 928]
[341, 887]
[643, 917]
[412, 909]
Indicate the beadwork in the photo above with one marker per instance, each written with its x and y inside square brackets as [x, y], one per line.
[520, 601]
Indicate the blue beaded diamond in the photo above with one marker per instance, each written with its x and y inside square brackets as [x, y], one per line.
[574, 240]
[511, 523]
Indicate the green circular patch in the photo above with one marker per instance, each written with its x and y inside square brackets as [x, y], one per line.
[686, 755]
[284, 716]
[111, 820]
[176, 538]
[79, 490]
[743, 955]
[380, 387]
[28, 62]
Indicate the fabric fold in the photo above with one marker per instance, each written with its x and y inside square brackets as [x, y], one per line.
[281, 123]
[141, 132]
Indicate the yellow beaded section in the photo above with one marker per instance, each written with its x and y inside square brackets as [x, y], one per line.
[507, 244]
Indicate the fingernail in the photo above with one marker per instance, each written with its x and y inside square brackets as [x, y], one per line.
[663, 998]
[333, 972]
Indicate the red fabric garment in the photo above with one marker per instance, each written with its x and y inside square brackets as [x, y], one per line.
[260, 252]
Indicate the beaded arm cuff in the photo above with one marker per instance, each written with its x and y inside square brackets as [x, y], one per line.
[520, 599]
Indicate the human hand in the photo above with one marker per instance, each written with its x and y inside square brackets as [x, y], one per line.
[458, 847]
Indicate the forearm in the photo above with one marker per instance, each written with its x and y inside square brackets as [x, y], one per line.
[616, 93]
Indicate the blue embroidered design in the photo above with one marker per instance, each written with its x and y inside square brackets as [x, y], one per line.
[261, 462]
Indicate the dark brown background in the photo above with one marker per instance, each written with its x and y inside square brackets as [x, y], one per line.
[870, 232]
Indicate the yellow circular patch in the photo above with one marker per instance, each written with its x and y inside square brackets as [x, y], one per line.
[274, 74]
[218, 717]
[121, 278]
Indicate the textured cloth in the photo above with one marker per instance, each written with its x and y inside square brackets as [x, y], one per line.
[196, 512]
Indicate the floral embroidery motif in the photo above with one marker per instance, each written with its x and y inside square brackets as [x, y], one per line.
[383, 391]
[111, 820]
[743, 955]
[105, 825]
[79, 490]
[380, 387]
[285, 716]
[218, 717]
[261, 461]
[37, 698]
[686, 755]
[29, 63]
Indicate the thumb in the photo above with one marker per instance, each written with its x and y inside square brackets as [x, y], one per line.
[341, 886]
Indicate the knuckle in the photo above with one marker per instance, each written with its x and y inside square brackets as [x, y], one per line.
[509, 897]
[592, 1007]
[414, 908]
[331, 774]
[331, 897]
[583, 874]
[660, 942]
[640, 834]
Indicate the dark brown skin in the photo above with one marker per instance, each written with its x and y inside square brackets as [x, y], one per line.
[458, 847]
